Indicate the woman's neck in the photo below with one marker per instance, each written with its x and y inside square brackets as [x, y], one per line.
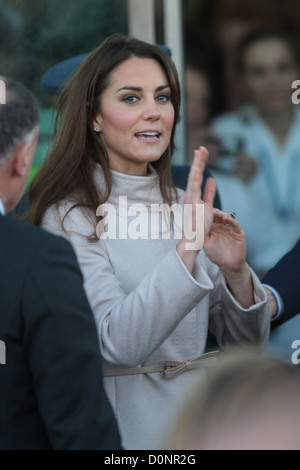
[129, 168]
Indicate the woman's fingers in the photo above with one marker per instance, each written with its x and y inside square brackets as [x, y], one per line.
[200, 158]
[227, 220]
[193, 189]
[210, 191]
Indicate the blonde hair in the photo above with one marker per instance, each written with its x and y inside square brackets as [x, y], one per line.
[243, 404]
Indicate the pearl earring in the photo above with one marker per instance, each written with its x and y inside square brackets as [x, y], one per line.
[96, 129]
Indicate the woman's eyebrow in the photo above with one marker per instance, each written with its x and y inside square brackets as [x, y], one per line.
[137, 88]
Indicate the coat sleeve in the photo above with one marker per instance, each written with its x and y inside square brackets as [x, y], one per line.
[62, 352]
[284, 277]
[229, 321]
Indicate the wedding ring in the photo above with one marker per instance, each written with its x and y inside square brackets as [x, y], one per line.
[232, 214]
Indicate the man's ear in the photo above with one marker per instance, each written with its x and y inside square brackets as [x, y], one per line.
[21, 160]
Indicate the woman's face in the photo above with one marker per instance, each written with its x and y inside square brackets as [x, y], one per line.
[136, 115]
[269, 70]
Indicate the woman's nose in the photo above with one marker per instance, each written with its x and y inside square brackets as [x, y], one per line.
[151, 111]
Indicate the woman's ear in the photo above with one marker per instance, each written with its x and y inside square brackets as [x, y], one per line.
[96, 125]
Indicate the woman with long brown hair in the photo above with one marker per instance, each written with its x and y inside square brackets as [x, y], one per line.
[155, 284]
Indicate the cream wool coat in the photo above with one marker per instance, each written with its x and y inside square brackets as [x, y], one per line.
[148, 309]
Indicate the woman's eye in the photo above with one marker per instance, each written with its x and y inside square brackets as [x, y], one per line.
[282, 68]
[258, 72]
[164, 98]
[130, 99]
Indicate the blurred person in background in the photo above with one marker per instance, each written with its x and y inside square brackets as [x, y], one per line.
[230, 21]
[199, 111]
[267, 129]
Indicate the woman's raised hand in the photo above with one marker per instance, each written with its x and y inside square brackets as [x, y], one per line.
[198, 210]
[217, 231]
[225, 244]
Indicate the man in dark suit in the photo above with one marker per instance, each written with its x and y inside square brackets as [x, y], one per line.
[283, 285]
[51, 390]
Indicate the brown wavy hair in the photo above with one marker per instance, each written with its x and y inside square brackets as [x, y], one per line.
[67, 172]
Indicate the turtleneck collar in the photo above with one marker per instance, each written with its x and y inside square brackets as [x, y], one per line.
[137, 188]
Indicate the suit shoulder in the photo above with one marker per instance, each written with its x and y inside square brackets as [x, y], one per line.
[16, 233]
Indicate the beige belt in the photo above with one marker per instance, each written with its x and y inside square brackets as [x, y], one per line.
[170, 368]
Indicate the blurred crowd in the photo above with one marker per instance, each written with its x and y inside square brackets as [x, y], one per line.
[244, 114]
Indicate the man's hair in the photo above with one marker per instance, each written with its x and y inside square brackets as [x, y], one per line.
[19, 116]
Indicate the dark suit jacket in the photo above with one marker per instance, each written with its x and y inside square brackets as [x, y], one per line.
[51, 391]
[285, 278]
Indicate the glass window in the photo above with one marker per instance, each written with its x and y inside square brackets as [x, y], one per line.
[35, 35]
